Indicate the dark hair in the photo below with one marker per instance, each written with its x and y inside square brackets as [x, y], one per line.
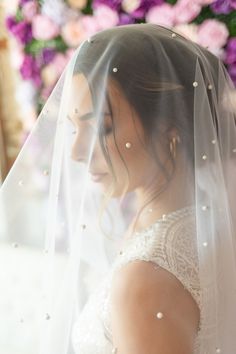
[145, 81]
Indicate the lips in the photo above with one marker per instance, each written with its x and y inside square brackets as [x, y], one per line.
[96, 177]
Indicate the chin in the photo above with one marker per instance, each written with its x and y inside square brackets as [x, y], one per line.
[106, 187]
[120, 192]
[117, 190]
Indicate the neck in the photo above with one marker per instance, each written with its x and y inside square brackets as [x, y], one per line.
[152, 205]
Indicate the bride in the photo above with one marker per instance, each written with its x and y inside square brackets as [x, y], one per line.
[135, 309]
[136, 146]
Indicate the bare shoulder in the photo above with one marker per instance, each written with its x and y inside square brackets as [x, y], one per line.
[151, 311]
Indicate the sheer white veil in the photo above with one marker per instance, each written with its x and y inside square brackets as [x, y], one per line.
[60, 230]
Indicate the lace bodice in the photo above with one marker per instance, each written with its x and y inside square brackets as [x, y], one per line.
[168, 243]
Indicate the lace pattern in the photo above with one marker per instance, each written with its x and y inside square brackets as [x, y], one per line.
[170, 244]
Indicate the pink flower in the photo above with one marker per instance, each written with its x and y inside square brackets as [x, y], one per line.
[59, 62]
[44, 28]
[77, 4]
[189, 31]
[73, 33]
[46, 91]
[51, 72]
[212, 34]
[49, 75]
[130, 5]
[69, 53]
[204, 2]
[161, 14]
[29, 10]
[106, 17]
[18, 56]
[186, 11]
[90, 24]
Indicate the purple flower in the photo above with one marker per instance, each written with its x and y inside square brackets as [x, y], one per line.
[232, 72]
[30, 69]
[47, 55]
[233, 4]
[113, 4]
[22, 2]
[145, 5]
[125, 19]
[21, 30]
[138, 13]
[221, 6]
[10, 22]
[231, 51]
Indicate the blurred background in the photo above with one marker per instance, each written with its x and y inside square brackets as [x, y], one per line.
[38, 37]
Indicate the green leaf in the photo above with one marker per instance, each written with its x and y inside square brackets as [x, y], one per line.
[88, 10]
[19, 17]
[232, 25]
[58, 44]
[171, 2]
[36, 46]
[40, 2]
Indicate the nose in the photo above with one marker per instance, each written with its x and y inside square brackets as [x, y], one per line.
[80, 149]
[78, 155]
[83, 146]
[77, 158]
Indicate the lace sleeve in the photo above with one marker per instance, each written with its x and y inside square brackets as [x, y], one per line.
[172, 248]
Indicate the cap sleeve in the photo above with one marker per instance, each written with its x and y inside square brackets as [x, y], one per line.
[171, 246]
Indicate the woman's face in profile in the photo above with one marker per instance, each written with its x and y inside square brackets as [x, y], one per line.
[124, 128]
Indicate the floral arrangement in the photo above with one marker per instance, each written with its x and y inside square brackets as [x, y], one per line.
[48, 31]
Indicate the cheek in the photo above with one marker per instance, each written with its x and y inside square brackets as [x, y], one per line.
[136, 161]
[134, 158]
[98, 157]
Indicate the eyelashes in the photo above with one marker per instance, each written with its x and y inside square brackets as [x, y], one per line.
[107, 128]
[105, 131]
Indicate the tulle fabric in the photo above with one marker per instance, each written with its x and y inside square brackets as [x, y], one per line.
[60, 231]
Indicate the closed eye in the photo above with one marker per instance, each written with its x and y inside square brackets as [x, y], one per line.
[107, 128]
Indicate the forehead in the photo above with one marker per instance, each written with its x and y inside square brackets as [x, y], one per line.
[80, 97]
[80, 101]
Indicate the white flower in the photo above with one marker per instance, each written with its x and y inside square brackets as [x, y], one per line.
[188, 31]
[130, 5]
[58, 11]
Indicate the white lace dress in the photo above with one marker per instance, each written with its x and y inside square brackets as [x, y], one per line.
[169, 243]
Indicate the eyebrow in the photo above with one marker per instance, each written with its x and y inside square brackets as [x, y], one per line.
[86, 116]
[83, 117]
